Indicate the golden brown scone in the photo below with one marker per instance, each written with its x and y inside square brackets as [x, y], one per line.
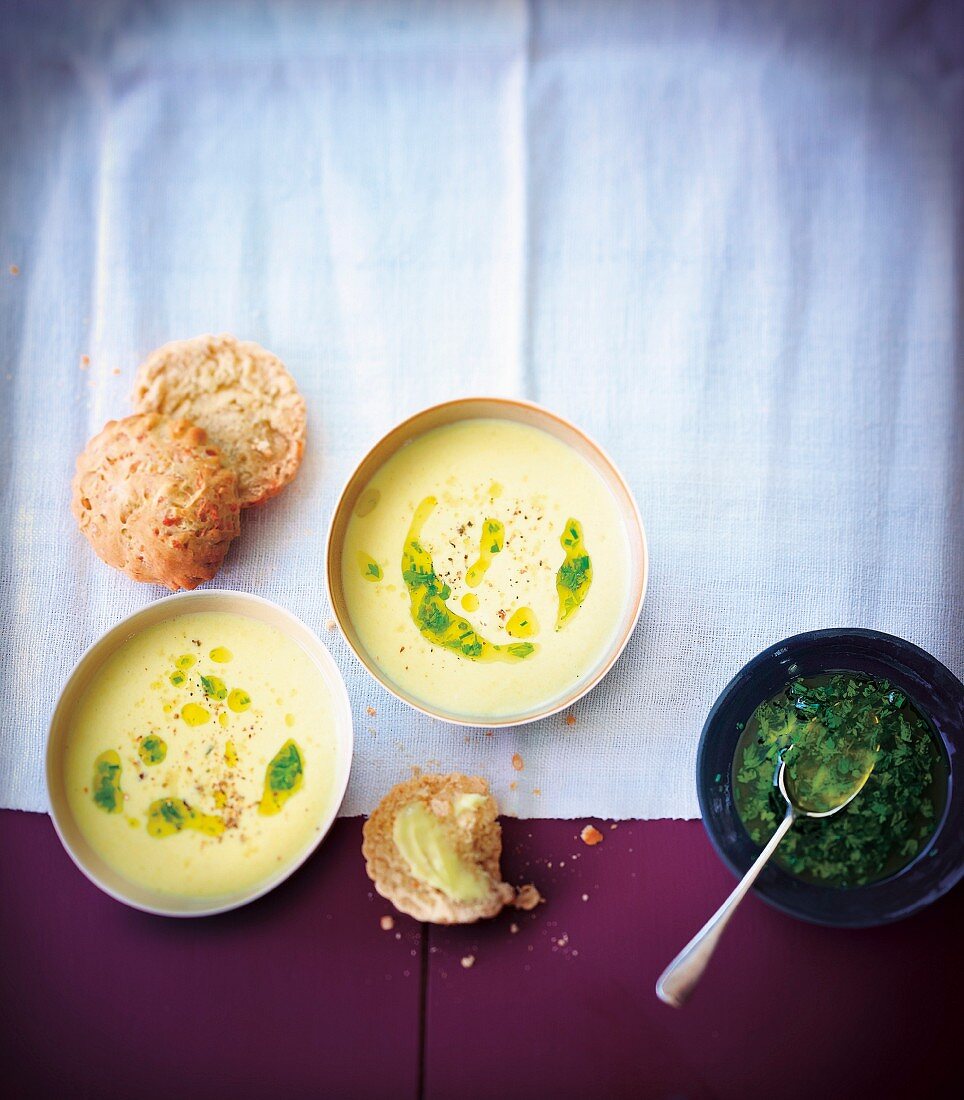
[474, 835]
[153, 499]
[243, 397]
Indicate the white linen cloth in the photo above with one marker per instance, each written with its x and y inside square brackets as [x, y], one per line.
[723, 237]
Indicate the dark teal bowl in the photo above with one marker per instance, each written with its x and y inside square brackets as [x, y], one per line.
[936, 693]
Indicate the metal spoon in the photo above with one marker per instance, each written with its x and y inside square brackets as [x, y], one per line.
[679, 979]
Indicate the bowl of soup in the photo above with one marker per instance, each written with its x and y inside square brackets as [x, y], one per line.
[854, 709]
[198, 753]
[486, 562]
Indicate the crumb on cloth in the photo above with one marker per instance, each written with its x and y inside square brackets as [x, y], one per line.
[590, 835]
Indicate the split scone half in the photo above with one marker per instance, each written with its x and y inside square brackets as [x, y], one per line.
[432, 848]
[154, 500]
[242, 396]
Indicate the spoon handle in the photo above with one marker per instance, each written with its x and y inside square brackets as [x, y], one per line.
[679, 979]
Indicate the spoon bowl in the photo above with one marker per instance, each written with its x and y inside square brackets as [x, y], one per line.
[780, 782]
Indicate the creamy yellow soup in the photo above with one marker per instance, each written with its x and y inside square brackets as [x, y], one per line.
[201, 758]
[486, 568]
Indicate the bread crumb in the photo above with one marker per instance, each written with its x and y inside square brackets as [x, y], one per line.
[585, 897]
[527, 897]
[517, 762]
[513, 785]
[570, 719]
[537, 791]
[468, 961]
[330, 625]
[513, 928]
[590, 835]
[488, 733]
[387, 923]
[371, 711]
[116, 370]
[14, 270]
[84, 362]
[614, 824]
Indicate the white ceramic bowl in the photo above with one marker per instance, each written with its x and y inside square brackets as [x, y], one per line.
[524, 412]
[238, 603]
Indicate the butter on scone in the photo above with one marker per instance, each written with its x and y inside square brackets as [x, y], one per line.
[432, 848]
[154, 500]
[243, 397]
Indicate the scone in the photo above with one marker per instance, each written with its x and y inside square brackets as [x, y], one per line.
[153, 499]
[243, 397]
[432, 848]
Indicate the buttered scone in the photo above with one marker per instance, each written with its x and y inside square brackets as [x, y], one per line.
[243, 397]
[153, 499]
[432, 848]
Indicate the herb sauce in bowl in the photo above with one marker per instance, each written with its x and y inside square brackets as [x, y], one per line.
[842, 727]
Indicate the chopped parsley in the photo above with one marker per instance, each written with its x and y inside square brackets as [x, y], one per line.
[370, 569]
[214, 687]
[838, 724]
[575, 574]
[283, 778]
[286, 768]
[152, 749]
[107, 789]
[428, 593]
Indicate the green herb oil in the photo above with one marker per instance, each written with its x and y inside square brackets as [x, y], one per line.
[575, 574]
[431, 614]
[841, 726]
[283, 777]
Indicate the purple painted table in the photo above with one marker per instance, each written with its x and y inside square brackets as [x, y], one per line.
[304, 994]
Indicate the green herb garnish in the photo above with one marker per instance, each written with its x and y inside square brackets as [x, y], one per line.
[428, 593]
[370, 569]
[283, 777]
[152, 749]
[168, 816]
[106, 787]
[574, 577]
[214, 687]
[285, 769]
[839, 724]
